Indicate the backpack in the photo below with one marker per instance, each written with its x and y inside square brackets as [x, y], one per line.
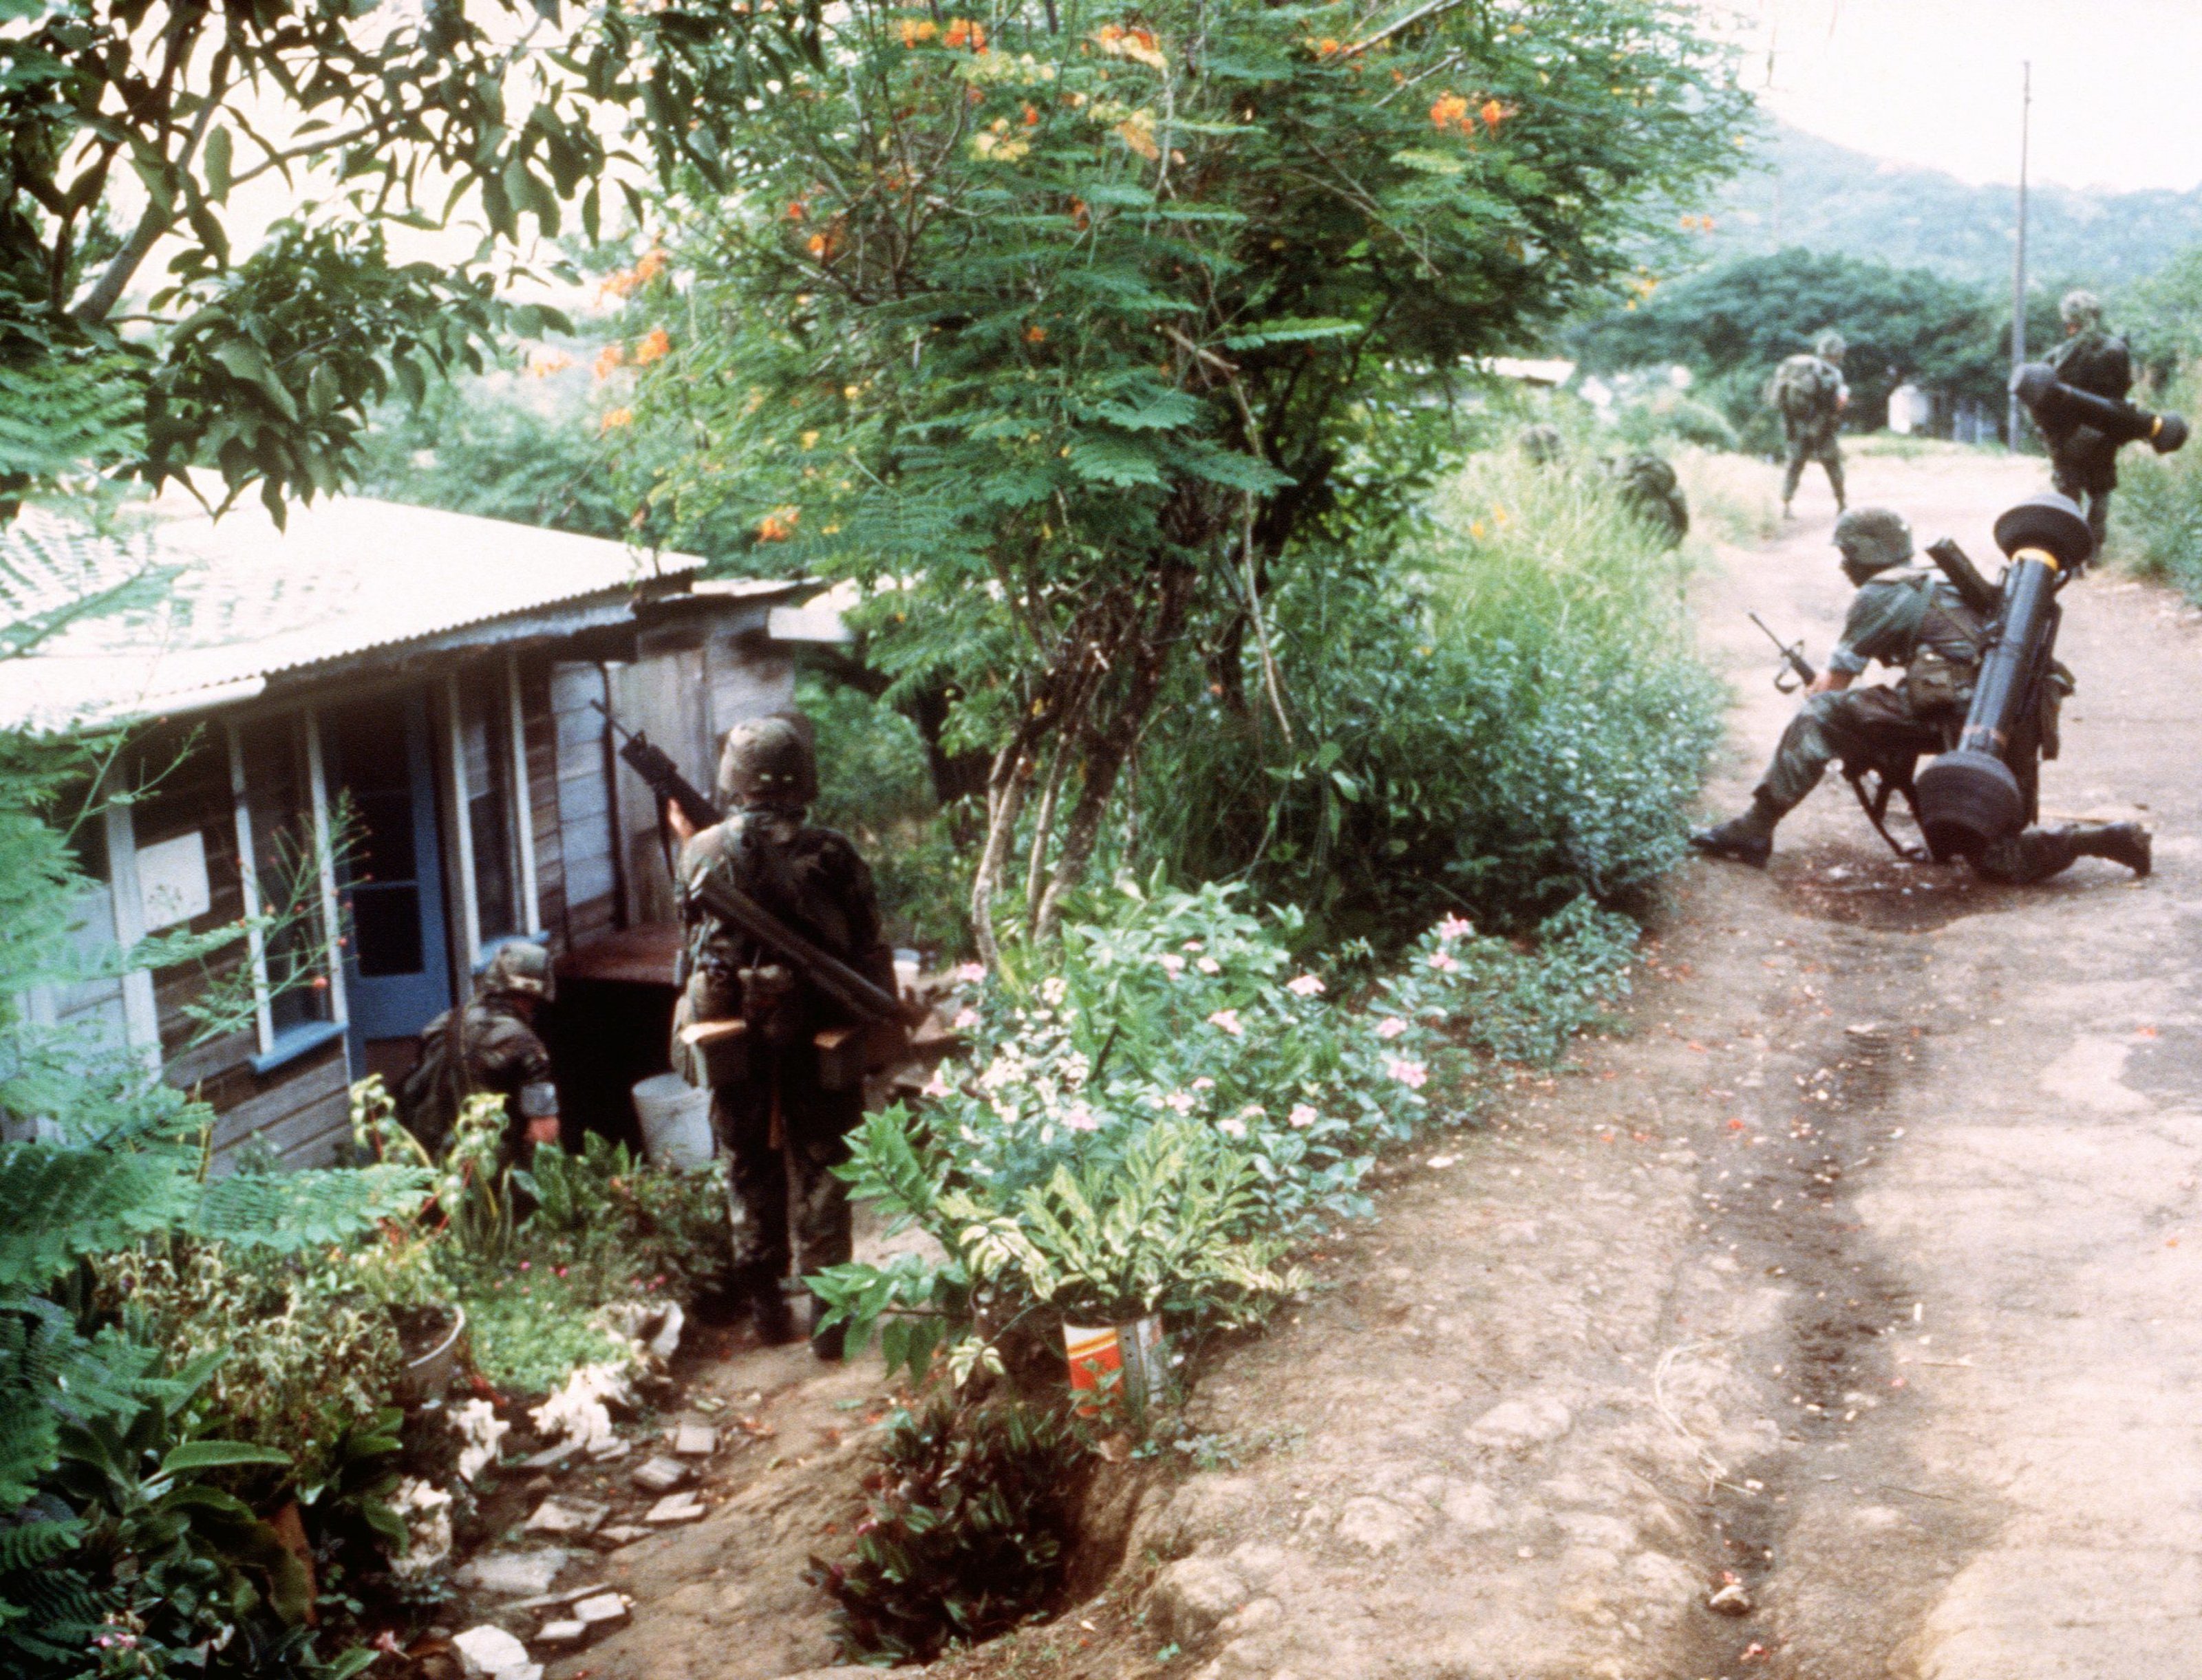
[1804, 387]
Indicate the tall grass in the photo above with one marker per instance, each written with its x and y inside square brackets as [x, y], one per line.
[1501, 717]
[2156, 515]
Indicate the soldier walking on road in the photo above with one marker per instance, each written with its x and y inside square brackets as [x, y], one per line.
[2084, 463]
[1914, 620]
[1809, 392]
[490, 1045]
[780, 1124]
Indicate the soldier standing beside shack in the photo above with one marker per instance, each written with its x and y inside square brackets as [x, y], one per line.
[783, 1112]
[489, 1046]
[1809, 392]
[2083, 461]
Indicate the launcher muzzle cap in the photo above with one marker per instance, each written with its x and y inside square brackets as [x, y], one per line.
[2047, 521]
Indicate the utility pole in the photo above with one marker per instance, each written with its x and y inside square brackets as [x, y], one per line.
[2018, 255]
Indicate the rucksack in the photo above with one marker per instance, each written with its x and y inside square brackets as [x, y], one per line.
[1804, 387]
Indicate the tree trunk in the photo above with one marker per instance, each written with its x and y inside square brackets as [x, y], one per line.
[1005, 799]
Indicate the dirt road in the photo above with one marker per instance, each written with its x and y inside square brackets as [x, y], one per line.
[1863, 1273]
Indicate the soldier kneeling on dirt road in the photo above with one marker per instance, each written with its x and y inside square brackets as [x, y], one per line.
[781, 1112]
[1912, 620]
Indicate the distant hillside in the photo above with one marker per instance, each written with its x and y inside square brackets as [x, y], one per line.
[1813, 193]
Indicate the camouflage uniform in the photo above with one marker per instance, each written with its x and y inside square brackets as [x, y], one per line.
[490, 1045]
[2083, 463]
[778, 1123]
[1810, 424]
[1914, 620]
[1650, 489]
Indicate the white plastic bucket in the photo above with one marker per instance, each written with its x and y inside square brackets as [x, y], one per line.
[676, 1122]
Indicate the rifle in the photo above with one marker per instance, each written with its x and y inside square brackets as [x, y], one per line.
[660, 774]
[1888, 780]
[1793, 660]
[843, 985]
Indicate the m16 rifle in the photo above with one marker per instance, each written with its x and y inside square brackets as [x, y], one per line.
[1986, 790]
[660, 775]
[1889, 779]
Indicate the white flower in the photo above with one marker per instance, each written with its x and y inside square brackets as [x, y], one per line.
[1081, 1118]
[1209, 966]
[1303, 1116]
[1054, 988]
[1179, 1101]
[1076, 1070]
[1253, 1111]
[1229, 1020]
[1231, 1128]
[936, 1086]
[1306, 986]
[1193, 944]
[1456, 927]
[1172, 965]
[1412, 1074]
[1390, 1027]
[1204, 1083]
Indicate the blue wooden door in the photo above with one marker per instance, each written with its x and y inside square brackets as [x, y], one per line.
[397, 975]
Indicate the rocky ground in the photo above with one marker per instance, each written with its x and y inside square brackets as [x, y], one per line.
[1833, 1320]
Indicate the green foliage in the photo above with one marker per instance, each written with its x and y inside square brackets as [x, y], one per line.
[2156, 518]
[1148, 1122]
[1053, 330]
[1732, 325]
[963, 1538]
[1501, 711]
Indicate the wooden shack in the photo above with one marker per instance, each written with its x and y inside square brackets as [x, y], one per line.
[379, 736]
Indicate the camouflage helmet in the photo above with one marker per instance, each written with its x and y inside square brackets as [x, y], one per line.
[768, 761]
[1542, 443]
[1872, 539]
[520, 968]
[2081, 308]
[1830, 347]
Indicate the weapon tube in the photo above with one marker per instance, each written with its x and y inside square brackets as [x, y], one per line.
[2057, 406]
[1971, 798]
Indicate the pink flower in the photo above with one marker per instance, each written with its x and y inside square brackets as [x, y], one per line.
[1209, 966]
[1173, 966]
[1303, 1116]
[1412, 1074]
[1306, 986]
[1179, 1101]
[1229, 1020]
[1204, 1083]
[935, 1087]
[1081, 1118]
[968, 973]
[1231, 1128]
[1390, 1027]
[966, 1019]
[1193, 944]
[1456, 927]
[527, 1265]
[1444, 962]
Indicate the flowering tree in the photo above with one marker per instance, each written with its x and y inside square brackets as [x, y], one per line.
[1055, 325]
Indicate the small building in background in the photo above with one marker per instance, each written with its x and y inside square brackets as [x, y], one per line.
[380, 736]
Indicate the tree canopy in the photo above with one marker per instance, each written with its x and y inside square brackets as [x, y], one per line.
[1058, 324]
[1733, 325]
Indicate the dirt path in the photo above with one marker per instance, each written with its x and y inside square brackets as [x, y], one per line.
[1860, 1271]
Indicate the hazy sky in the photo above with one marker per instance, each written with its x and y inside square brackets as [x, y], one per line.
[1936, 82]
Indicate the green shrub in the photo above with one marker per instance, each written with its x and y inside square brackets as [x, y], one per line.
[2156, 515]
[963, 1538]
[1503, 715]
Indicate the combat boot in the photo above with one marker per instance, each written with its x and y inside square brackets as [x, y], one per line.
[775, 1325]
[1748, 838]
[2128, 844]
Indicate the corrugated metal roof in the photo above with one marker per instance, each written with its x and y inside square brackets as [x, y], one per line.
[244, 601]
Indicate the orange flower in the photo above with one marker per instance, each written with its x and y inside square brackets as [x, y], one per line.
[779, 525]
[1327, 47]
[1449, 111]
[651, 266]
[1079, 218]
[916, 31]
[1032, 117]
[1493, 114]
[1036, 335]
[616, 419]
[963, 32]
[544, 363]
[617, 286]
[655, 347]
[798, 208]
[609, 358]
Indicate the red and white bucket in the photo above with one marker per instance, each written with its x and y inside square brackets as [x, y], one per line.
[1127, 1361]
